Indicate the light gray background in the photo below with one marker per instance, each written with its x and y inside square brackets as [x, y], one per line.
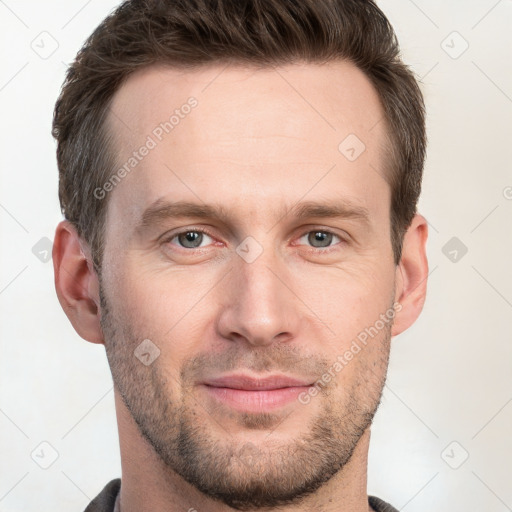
[450, 376]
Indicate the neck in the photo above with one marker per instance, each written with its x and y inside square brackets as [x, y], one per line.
[148, 485]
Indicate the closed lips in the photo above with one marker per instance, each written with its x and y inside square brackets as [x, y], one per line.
[247, 383]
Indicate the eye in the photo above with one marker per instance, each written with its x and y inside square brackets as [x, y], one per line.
[193, 238]
[190, 239]
[320, 238]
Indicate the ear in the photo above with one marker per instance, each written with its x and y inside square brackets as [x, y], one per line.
[76, 283]
[411, 275]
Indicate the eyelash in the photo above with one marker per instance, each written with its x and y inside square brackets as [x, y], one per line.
[206, 232]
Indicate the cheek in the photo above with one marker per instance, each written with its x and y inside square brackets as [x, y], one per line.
[176, 307]
[356, 344]
[168, 306]
[350, 298]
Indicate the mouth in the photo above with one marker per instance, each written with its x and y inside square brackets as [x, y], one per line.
[249, 394]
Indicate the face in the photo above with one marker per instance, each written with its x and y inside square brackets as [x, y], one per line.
[249, 244]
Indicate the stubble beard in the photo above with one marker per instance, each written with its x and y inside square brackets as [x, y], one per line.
[244, 475]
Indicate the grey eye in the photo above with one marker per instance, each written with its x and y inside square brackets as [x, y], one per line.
[320, 238]
[190, 239]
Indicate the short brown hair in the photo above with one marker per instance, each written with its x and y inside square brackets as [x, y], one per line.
[189, 33]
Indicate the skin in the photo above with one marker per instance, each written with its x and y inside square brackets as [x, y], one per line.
[292, 310]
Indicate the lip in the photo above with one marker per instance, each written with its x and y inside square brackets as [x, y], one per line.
[256, 395]
[247, 383]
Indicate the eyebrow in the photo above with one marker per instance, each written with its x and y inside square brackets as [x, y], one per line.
[162, 210]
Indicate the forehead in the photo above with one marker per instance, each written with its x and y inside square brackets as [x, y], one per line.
[265, 135]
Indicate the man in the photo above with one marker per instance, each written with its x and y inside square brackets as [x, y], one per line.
[239, 181]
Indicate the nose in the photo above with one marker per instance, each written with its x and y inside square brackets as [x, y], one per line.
[259, 306]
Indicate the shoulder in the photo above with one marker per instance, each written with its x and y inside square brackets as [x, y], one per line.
[379, 505]
[106, 499]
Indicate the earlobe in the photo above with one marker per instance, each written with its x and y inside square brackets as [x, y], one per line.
[411, 275]
[76, 283]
